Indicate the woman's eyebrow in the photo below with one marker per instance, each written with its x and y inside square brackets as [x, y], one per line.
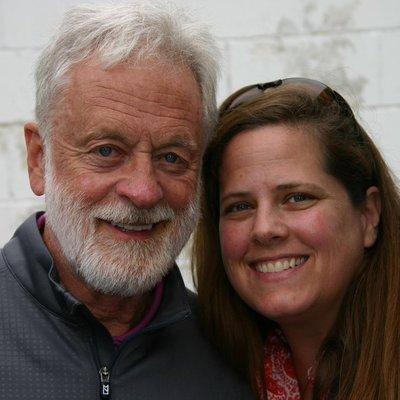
[296, 185]
[232, 195]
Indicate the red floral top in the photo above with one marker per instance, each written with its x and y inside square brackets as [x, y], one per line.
[280, 375]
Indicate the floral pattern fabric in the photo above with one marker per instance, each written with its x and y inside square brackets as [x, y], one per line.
[280, 375]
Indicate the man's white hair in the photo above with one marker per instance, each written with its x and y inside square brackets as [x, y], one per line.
[130, 32]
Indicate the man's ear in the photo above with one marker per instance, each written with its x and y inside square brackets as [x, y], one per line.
[35, 157]
[371, 215]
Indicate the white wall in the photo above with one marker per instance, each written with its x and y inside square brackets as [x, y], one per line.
[354, 45]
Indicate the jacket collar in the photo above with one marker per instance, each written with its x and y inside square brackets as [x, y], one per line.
[29, 260]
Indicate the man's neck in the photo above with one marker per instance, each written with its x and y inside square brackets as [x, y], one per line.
[118, 314]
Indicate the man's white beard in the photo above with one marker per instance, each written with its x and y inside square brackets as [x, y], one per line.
[111, 266]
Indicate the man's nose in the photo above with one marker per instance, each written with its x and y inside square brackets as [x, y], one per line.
[269, 227]
[140, 184]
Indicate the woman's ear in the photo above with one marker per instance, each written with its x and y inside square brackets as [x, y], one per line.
[371, 214]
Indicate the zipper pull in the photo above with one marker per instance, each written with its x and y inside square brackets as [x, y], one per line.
[105, 383]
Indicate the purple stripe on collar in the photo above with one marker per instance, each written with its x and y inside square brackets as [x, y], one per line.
[41, 220]
[158, 294]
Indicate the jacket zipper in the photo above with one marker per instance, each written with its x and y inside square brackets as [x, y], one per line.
[104, 372]
[104, 383]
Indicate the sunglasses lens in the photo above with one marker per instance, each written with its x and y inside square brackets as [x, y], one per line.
[246, 96]
[319, 89]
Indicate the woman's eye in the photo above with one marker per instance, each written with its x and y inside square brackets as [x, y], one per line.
[238, 207]
[105, 151]
[298, 197]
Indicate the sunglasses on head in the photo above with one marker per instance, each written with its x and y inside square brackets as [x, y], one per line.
[252, 92]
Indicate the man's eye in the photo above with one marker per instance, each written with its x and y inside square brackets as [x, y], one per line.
[298, 197]
[171, 158]
[105, 151]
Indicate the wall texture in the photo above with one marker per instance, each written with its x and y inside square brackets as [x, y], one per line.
[354, 45]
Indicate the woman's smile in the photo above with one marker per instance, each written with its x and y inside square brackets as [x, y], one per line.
[279, 264]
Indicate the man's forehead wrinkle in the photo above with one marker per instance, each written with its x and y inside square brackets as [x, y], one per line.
[159, 95]
[140, 113]
[132, 101]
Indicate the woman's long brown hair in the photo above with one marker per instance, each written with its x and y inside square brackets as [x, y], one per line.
[360, 358]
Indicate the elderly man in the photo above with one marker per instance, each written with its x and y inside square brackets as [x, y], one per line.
[92, 305]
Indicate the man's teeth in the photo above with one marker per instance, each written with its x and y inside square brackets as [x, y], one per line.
[132, 228]
[280, 265]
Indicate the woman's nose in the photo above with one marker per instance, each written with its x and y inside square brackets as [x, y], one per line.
[269, 226]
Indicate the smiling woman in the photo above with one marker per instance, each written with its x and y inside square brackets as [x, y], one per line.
[295, 212]
[299, 238]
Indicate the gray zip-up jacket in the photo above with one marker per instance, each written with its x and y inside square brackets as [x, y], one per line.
[52, 348]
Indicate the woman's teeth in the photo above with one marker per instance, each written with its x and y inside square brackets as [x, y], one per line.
[132, 228]
[280, 265]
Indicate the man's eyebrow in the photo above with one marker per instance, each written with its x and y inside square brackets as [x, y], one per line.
[178, 140]
[104, 134]
[181, 141]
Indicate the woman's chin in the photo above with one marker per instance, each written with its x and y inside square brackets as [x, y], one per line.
[285, 308]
